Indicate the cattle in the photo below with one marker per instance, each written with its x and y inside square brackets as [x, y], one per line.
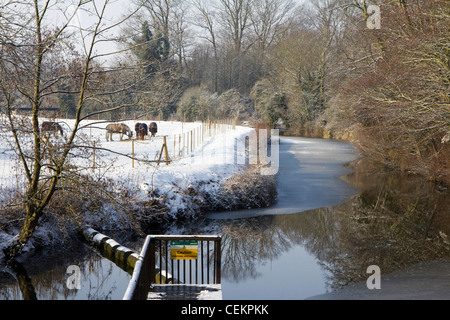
[153, 129]
[121, 129]
[141, 130]
[49, 128]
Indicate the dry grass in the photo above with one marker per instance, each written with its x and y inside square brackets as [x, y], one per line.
[245, 190]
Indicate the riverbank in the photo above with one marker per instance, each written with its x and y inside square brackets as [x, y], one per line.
[430, 162]
[244, 190]
[393, 221]
[119, 197]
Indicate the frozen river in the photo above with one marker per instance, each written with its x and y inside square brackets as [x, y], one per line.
[308, 177]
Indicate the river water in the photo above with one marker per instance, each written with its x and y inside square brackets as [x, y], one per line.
[332, 221]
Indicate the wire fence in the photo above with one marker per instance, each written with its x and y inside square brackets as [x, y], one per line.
[185, 143]
[166, 148]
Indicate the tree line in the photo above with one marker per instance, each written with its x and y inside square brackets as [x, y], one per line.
[321, 67]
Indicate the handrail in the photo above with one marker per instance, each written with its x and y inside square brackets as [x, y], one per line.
[187, 237]
[132, 292]
[145, 269]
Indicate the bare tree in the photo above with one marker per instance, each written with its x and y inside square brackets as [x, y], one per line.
[399, 93]
[240, 33]
[235, 18]
[181, 36]
[28, 47]
[205, 18]
[269, 20]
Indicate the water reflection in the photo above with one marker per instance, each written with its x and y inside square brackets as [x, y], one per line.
[44, 276]
[394, 222]
[25, 285]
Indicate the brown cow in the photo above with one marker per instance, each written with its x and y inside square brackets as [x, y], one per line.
[153, 129]
[141, 130]
[119, 129]
[49, 128]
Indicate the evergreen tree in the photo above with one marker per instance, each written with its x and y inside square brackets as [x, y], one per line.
[313, 95]
[151, 50]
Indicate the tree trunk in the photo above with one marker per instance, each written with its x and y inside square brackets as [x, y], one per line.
[28, 227]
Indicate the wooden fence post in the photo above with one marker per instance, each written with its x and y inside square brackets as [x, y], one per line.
[166, 151]
[174, 146]
[93, 158]
[132, 153]
[184, 145]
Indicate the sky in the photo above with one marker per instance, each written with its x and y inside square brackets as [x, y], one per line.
[115, 11]
[85, 17]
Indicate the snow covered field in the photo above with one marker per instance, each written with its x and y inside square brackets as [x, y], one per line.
[218, 155]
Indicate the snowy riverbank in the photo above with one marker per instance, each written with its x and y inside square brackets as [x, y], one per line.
[212, 177]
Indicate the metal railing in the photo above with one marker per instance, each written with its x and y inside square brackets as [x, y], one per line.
[157, 265]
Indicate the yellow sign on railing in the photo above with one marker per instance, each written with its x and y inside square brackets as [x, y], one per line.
[184, 250]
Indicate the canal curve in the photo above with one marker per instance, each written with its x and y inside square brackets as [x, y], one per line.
[309, 177]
